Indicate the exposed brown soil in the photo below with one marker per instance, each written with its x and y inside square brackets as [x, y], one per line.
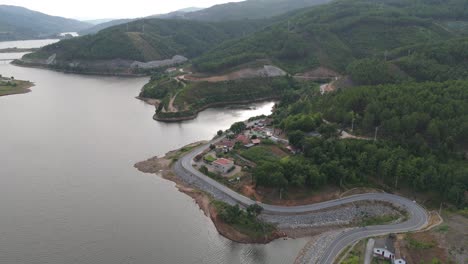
[420, 255]
[456, 237]
[449, 241]
[360, 190]
[277, 151]
[239, 74]
[293, 197]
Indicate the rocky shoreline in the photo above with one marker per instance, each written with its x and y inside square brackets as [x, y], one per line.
[95, 73]
[299, 225]
[202, 196]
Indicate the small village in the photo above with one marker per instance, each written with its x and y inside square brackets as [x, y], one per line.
[229, 160]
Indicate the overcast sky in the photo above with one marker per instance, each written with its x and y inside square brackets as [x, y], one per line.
[94, 9]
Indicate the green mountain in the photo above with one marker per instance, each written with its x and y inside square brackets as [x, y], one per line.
[107, 23]
[178, 13]
[142, 40]
[335, 34]
[18, 23]
[251, 9]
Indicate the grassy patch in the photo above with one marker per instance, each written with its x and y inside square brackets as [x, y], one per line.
[379, 220]
[464, 212]
[259, 153]
[242, 221]
[8, 87]
[443, 228]
[416, 244]
[209, 158]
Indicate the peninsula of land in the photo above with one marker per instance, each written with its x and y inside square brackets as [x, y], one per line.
[10, 86]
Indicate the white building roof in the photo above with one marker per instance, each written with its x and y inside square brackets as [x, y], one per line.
[383, 253]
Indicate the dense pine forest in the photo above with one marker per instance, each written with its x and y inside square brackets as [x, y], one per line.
[421, 140]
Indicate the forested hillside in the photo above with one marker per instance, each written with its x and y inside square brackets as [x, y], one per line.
[422, 132]
[335, 34]
[18, 23]
[332, 35]
[148, 39]
[428, 115]
[435, 61]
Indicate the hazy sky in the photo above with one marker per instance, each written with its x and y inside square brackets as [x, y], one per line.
[94, 9]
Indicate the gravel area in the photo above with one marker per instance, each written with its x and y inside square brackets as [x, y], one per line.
[316, 247]
[338, 216]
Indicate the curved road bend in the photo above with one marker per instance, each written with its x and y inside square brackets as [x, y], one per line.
[417, 215]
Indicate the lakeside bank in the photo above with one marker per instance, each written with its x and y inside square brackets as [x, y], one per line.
[171, 117]
[10, 86]
[290, 225]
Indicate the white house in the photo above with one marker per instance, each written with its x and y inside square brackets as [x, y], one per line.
[383, 253]
[223, 165]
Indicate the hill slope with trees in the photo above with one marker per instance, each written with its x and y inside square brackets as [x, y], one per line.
[420, 147]
[335, 34]
[18, 23]
[147, 40]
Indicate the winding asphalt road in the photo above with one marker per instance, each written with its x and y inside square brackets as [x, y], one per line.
[417, 217]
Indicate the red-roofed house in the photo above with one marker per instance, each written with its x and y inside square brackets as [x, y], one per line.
[223, 165]
[243, 139]
[225, 145]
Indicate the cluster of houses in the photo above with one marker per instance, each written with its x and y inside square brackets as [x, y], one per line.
[227, 145]
[255, 132]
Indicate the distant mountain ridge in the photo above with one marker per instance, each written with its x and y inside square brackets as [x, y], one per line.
[18, 23]
[98, 21]
[110, 23]
[178, 13]
[250, 9]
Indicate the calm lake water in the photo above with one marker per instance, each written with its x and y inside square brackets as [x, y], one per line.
[68, 189]
[26, 44]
